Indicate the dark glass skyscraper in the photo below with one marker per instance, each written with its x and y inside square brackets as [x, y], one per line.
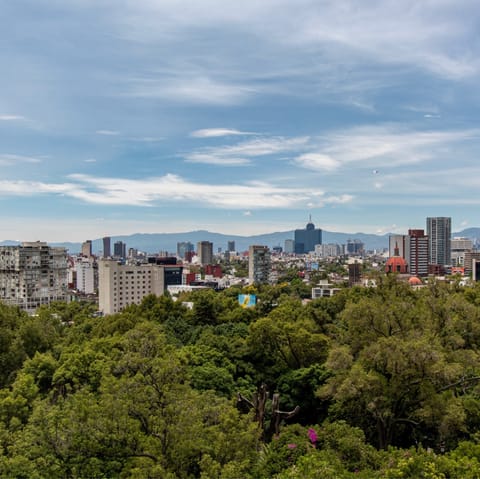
[305, 240]
[439, 232]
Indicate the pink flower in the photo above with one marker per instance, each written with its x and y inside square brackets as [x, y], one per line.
[291, 446]
[312, 435]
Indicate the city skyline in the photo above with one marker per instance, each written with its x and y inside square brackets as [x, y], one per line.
[163, 117]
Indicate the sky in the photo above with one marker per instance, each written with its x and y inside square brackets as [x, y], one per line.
[155, 116]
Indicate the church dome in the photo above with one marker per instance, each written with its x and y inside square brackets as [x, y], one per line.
[415, 281]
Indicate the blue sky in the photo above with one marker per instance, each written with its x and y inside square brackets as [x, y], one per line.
[124, 116]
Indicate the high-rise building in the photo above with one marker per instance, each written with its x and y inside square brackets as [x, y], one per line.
[205, 252]
[289, 246]
[87, 248]
[85, 274]
[120, 285]
[259, 266]
[107, 251]
[183, 248]
[354, 247]
[416, 252]
[306, 239]
[460, 246]
[328, 250]
[120, 249]
[439, 240]
[32, 274]
[231, 246]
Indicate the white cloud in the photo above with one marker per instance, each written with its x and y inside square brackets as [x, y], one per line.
[90, 160]
[218, 132]
[317, 161]
[8, 159]
[172, 188]
[191, 89]
[241, 153]
[247, 213]
[12, 118]
[387, 146]
[107, 132]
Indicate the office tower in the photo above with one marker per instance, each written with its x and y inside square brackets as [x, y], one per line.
[120, 285]
[32, 274]
[416, 252]
[231, 246]
[87, 248]
[258, 264]
[289, 246]
[331, 250]
[439, 241]
[107, 252]
[354, 247]
[120, 249]
[183, 248]
[306, 239]
[205, 252]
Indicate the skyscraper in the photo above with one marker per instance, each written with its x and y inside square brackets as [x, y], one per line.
[416, 252]
[439, 240]
[231, 246]
[87, 248]
[183, 248]
[205, 252]
[120, 249]
[107, 252]
[305, 240]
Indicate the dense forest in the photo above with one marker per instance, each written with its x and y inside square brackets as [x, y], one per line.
[371, 383]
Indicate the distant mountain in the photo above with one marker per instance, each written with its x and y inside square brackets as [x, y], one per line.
[155, 242]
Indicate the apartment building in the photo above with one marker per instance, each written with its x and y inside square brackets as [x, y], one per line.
[120, 285]
[32, 274]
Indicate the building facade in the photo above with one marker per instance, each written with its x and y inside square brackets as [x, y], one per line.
[259, 265]
[120, 249]
[306, 239]
[120, 285]
[107, 252]
[416, 252]
[184, 247]
[205, 252]
[32, 274]
[439, 231]
[87, 248]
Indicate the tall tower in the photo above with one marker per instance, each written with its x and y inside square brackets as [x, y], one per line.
[107, 252]
[439, 234]
[258, 264]
[87, 248]
[305, 240]
[205, 252]
[416, 252]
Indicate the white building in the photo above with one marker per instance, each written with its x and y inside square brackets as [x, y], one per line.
[32, 274]
[85, 273]
[120, 285]
[330, 250]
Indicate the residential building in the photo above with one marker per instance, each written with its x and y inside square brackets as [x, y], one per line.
[87, 248]
[468, 263]
[306, 239]
[205, 252]
[259, 265]
[85, 270]
[32, 274]
[416, 252]
[120, 285]
[460, 246]
[330, 250]
[439, 241]
[324, 290]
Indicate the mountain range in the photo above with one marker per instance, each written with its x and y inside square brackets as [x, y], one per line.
[155, 242]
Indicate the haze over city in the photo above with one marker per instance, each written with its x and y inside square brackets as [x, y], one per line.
[239, 118]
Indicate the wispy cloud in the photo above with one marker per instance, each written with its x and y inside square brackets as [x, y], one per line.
[8, 159]
[218, 132]
[172, 188]
[242, 153]
[108, 132]
[12, 118]
[185, 88]
[387, 146]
